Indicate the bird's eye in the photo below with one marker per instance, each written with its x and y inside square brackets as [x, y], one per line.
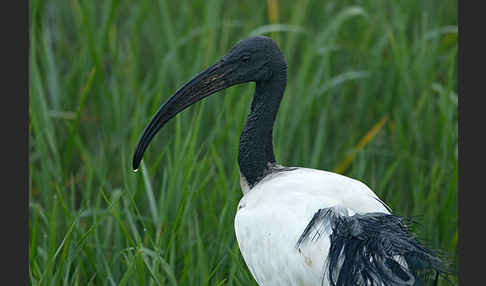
[245, 58]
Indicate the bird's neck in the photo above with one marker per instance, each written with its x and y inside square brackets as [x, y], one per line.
[255, 153]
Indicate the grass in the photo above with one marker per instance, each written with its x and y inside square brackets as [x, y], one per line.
[372, 94]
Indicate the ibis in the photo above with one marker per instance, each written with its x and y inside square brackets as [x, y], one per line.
[299, 226]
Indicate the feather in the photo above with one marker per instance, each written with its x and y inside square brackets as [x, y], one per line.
[373, 249]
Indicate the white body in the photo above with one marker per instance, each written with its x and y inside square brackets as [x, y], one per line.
[274, 213]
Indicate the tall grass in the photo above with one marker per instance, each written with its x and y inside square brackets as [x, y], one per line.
[372, 93]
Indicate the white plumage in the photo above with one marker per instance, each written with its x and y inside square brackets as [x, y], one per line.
[274, 213]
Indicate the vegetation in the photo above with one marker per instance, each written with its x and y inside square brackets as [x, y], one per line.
[372, 94]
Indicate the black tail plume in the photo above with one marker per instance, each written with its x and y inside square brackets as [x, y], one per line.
[373, 249]
[379, 249]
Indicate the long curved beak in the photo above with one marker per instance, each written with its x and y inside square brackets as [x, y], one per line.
[211, 80]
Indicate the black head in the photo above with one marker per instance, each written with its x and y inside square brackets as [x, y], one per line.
[255, 59]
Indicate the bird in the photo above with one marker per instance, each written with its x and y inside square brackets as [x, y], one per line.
[295, 225]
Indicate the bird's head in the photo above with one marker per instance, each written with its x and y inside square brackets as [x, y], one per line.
[255, 59]
[252, 60]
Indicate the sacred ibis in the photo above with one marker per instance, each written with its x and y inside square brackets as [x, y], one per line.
[299, 226]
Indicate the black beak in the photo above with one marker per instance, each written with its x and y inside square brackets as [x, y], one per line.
[204, 84]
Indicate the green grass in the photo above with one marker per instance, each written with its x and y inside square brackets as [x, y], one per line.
[372, 93]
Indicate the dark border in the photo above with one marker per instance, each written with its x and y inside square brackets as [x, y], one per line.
[470, 204]
[460, 162]
[14, 116]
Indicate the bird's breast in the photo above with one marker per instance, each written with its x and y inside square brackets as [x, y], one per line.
[267, 235]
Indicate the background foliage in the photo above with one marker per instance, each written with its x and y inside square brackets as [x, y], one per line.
[371, 94]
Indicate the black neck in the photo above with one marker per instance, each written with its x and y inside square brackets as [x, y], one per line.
[255, 152]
